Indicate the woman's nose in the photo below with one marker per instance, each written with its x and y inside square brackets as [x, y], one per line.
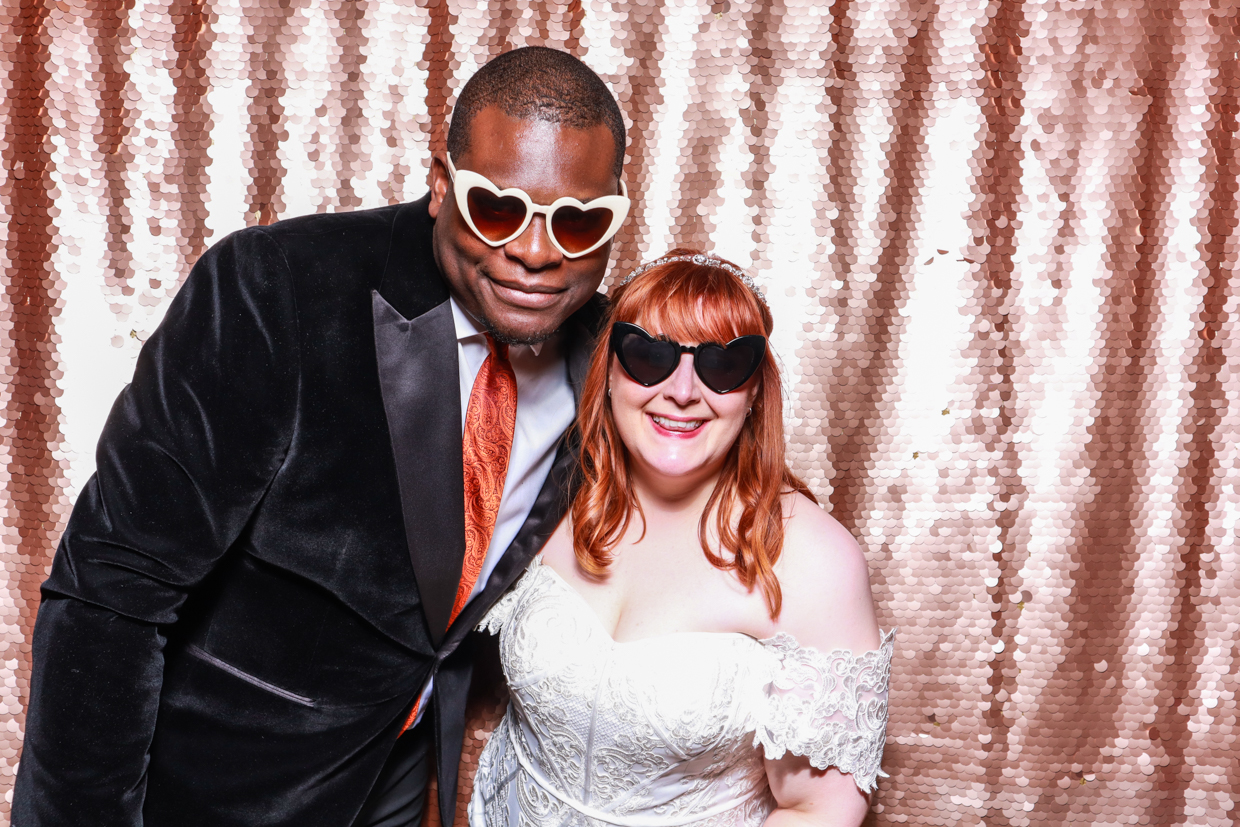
[681, 387]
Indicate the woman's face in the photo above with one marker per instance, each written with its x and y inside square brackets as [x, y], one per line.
[679, 431]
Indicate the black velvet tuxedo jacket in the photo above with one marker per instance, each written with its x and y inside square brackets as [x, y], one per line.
[254, 586]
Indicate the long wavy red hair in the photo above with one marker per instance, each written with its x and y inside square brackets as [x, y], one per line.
[690, 303]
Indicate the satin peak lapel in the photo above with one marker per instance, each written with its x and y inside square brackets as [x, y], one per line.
[418, 377]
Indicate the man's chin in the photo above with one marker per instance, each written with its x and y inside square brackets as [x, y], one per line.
[520, 338]
[512, 332]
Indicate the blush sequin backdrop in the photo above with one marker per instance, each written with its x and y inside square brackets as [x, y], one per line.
[999, 239]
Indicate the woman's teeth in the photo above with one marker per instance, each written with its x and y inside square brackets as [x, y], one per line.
[676, 424]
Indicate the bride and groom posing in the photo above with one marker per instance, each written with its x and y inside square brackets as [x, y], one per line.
[359, 442]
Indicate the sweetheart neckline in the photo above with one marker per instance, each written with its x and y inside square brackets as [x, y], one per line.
[884, 638]
[598, 621]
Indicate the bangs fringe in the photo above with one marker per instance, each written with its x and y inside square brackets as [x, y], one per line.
[692, 303]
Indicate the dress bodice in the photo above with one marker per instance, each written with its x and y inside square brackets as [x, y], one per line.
[667, 731]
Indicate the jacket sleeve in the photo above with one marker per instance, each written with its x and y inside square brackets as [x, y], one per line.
[187, 452]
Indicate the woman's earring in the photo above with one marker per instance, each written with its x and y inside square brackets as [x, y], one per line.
[748, 411]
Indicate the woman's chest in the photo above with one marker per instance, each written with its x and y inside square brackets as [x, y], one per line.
[680, 692]
[641, 600]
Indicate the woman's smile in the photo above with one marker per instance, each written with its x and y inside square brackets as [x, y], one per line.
[676, 427]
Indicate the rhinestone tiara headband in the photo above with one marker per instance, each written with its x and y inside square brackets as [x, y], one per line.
[701, 260]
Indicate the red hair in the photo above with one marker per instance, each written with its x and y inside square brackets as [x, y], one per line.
[690, 303]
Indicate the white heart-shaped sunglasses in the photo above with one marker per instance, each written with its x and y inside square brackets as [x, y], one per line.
[498, 216]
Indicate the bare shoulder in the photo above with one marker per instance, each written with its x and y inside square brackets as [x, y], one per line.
[558, 552]
[825, 582]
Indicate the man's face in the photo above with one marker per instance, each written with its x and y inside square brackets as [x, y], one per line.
[522, 291]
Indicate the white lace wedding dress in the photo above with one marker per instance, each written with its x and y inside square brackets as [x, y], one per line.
[666, 731]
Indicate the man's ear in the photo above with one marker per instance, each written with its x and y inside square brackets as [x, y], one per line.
[440, 183]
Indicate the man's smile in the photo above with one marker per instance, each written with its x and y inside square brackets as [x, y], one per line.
[528, 296]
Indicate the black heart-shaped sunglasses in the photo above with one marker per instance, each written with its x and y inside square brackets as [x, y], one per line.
[722, 368]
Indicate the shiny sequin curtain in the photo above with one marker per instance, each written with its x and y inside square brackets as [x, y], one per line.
[999, 240]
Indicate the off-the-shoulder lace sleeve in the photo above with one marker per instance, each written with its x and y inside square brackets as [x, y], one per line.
[830, 708]
[498, 614]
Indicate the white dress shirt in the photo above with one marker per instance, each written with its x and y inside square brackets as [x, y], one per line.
[545, 409]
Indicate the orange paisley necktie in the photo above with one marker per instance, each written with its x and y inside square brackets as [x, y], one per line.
[490, 421]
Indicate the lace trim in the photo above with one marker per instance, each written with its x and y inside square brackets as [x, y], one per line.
[501, 612]
[830, 708]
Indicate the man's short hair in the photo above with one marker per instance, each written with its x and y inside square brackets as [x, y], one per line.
[537, 83]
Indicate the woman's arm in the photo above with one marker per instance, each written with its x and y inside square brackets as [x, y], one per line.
[806, 796]
[828, 607]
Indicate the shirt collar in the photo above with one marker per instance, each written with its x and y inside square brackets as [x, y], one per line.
[467, 328]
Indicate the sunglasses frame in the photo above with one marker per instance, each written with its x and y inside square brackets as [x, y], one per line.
[621, 329]
[464, 180]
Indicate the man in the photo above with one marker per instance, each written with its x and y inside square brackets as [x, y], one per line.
[275, 569]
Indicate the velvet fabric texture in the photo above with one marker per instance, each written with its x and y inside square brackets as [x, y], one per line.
[254, 586]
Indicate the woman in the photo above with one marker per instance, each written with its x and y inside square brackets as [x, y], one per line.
[697, 644]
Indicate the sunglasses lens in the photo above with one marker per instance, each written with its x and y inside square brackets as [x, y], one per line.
[496, 218]
[726, 369]
[579, 230]
[649, 363]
